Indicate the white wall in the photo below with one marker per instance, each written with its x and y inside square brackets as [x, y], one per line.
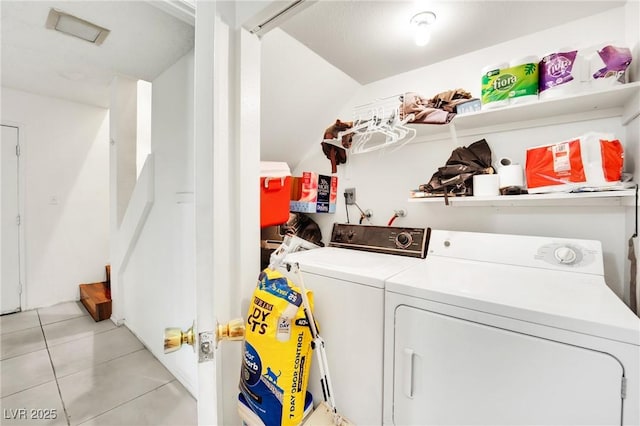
[632, 35]
[632, 10]
[633, 136]
[299, 87]
[122, 175]
[143, 128]
[158, 283]
[66, 189]
[383, 179]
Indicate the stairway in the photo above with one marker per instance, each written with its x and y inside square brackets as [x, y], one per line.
[96, 297]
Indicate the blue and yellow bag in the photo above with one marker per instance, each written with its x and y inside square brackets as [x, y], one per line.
[277, 351]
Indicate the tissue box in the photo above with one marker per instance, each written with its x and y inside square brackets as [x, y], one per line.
[592, 161]
[472, 105]
[275, 184]
[314, 193]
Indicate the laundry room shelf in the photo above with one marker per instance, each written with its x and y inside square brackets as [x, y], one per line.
[604, 198]
[619, 101]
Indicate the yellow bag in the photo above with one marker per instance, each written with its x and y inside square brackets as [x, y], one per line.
[277, 351]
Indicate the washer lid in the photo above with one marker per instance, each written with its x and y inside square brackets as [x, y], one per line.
[352, 265]
[568, 300]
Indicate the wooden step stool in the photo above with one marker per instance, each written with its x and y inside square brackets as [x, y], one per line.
[96, 297]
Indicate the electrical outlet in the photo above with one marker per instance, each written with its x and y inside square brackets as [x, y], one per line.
[350, 196]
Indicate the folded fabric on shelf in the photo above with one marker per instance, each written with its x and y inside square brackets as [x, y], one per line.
[440, 109]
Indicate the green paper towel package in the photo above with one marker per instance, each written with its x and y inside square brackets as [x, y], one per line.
[526, 71]
[509, 84]
[491, 96]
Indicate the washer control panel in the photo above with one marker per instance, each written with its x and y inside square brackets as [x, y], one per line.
[565, 254]
[403, 240]
[562, 254]
[412, 242]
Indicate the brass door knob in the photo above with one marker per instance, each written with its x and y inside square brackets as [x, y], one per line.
[174, 338]
[233, 330]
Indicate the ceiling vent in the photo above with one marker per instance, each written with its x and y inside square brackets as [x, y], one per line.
[72, 25]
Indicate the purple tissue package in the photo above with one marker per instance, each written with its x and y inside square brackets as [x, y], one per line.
[555, 69]
[616, 61]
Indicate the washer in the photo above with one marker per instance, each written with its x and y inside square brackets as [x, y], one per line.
[347, 281]
[504, 329]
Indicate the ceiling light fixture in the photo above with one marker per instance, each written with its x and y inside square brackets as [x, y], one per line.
[72, 25]
[421, 23]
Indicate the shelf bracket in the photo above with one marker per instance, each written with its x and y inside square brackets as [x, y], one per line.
[631, 109]
[454, 134]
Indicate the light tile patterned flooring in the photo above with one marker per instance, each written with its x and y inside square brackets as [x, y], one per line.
[90, 373]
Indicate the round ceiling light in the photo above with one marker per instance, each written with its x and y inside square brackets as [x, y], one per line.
[420, 24]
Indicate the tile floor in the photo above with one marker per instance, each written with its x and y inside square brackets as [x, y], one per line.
[59, 367]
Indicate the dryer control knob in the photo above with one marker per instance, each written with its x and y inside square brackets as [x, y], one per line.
[565, 255]
[403, 240]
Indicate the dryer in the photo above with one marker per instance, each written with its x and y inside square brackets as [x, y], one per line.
[505, 329]
[347, 280]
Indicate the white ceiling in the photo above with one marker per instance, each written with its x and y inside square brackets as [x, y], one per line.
[371, 40]
[367, 40]
[143, 42]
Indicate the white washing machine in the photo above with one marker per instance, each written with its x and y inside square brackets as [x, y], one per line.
[347, 281]
[501, 329]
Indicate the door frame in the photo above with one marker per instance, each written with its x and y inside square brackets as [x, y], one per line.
[226, 166]
[21, 209]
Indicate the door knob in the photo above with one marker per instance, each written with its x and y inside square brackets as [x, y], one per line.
[233, 330]
[174, 338]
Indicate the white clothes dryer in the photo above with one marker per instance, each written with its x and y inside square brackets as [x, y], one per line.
[347, 280]
[504, 329]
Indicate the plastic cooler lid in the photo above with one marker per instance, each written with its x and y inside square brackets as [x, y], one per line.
[274, 169]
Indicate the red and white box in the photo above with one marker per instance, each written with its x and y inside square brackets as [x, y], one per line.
[592, 161]
[314, 193]
[275, 187]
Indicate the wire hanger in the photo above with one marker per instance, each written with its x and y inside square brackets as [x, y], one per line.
[378, 125]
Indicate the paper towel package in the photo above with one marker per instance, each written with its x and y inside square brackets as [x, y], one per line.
[492, 95]
[591, 161]
[526, 73]
[505, 84]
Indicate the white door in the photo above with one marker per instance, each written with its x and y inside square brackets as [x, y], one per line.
[205, 120]
[9, 231]
[226, 193]
[226, 201]
[218, 197]
[452, 371]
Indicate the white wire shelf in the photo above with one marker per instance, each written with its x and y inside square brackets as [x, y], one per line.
[618, 101]
[604, 198]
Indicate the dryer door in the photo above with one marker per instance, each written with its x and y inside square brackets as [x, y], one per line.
[452, 371]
